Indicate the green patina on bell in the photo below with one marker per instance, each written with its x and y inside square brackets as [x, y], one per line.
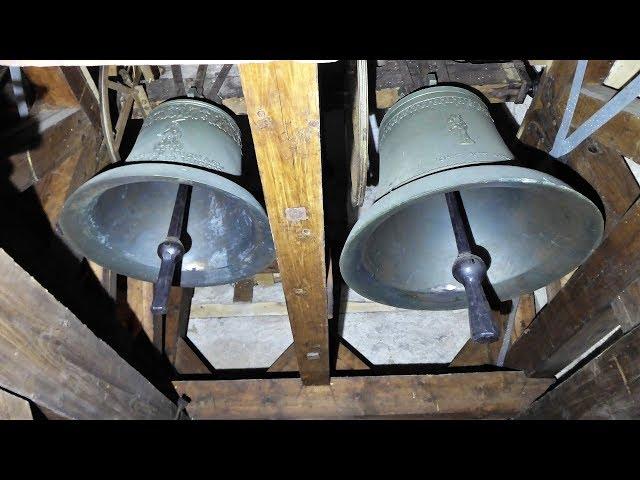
[534, 227]
[120, 216]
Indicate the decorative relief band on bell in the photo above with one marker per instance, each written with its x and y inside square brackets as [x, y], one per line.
[179, 112]
[476, 156]
[449, 100]
[171, 149]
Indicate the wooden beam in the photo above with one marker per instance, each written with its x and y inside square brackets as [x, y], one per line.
[243, 290]
[574, 333]
[257, 309]
[346, 360]
[622, 131]
[612, 267]
[463, 395]
[286, 362]
[524, 315]
[599, 164]
[13, 407]
[44, 143]
[85, 92]
[54, 188]
[139, 298]
[283, 108]
[626, 306]
[176, 320]
[608, 387]
[621, 72]
[48, 356]
[107, 278]
[187, 362]
[52, 88]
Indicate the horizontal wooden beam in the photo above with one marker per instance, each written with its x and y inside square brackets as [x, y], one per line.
[257, 309]
[283, 107]
[48, 356]
[463, 395]
[608, 387]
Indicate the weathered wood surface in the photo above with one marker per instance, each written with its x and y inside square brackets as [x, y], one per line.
[51, 86]
[345, 360]
[621, 132]
[187, 362]
[47, 140]
[463, 395]
[50, 357]
[608, 387]
[13, 407]
[176, 320]
[498, 82]
[243, 290]
[286, 362]
[54, 188]
[524, 316]
[561, 329]
[598, 163]
[85, 93]
[283, 108]
[257, 309]
[139, 298]
[626, 306]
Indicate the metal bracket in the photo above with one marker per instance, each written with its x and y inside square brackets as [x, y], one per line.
[563, 144]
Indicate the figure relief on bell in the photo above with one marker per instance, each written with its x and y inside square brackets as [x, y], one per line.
[458, 127]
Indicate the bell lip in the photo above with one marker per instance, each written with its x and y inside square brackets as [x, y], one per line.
[440, 183]
[433, 91]
[151, 171]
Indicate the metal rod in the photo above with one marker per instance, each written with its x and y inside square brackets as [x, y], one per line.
[470, 270]
[170, 252]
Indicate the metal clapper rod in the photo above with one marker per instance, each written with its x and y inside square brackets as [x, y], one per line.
[170, 252]
[470, 270]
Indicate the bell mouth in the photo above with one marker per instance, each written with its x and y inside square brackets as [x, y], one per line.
[119, 217]
[529, 227]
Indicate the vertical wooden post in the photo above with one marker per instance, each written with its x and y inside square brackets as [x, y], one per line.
[284, 113]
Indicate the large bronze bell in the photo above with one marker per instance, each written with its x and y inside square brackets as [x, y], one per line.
[529, 227]
[120, 217]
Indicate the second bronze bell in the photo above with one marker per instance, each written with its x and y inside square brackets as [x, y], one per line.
[529, 227]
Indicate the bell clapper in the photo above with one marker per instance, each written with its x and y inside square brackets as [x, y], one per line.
[170, 252]
[470, 270]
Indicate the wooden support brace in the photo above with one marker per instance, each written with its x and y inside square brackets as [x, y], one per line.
[608, 387]
[283, 108]
[463, 395]
[48, 356]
